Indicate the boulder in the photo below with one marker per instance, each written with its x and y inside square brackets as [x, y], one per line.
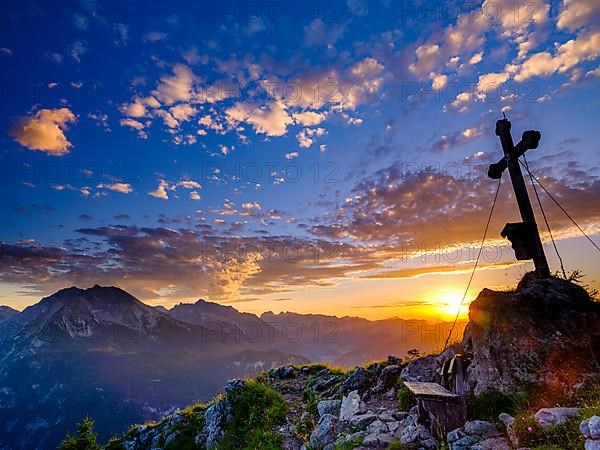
[555, 416]
[329, 407]
[590, 428]
[387, 379]
[393, 426]
[496, 443]
[506, 419]
[324, 433]
[594, 427]
[591, 444]
[509, 422]
[481, 429]
[421, 369]
[386, 416]
[283, 372]
[214, 420]
[325, 383]
[464, 443]
[377, 427]
[530, 336]
[477, 434]
[584, 427]
[455, 435]
[362, 420]
[377, 440]
[358, 380]
[350, 406]
[410, 431]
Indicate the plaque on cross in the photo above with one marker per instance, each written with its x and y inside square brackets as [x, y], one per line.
[524, 236]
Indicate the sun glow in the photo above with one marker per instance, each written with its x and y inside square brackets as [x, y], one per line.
[450, 302]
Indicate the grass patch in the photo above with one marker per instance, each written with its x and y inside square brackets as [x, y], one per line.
[567, 436]
[349, 445]
[531, 434]
[489, 405]
[257, 408]
[188, 428]
[405, 399]
[315, 368]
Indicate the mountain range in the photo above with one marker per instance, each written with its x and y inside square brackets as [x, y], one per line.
[104, 353]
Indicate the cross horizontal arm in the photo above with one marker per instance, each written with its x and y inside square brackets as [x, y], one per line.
[529, 141]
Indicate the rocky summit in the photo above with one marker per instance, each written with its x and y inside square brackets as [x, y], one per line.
[545, 335]
[526, 371]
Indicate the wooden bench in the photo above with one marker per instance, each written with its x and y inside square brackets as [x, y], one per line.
[445, 410]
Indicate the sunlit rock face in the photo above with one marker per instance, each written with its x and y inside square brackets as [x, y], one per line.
[544, 336]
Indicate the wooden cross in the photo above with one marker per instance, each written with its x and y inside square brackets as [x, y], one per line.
[524, 236]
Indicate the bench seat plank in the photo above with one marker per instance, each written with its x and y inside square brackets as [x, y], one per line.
[429, 390]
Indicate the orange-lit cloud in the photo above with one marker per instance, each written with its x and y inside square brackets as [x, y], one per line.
[45, 131]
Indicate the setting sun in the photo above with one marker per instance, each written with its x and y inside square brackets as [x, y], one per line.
[450, 302]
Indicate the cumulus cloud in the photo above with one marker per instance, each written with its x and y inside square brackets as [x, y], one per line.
[45, 131]
[578, 13]
[134, 109]
[189, 184]
[272, 119]
[177, 87]
[309, 118]
[161, 190]
[183, 111]
[585, 47]
[452, 140]
[123, 188]
[307, 136]
[491, 81]
[136, 125]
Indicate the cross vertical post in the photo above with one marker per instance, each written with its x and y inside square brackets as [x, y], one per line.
[528, 228]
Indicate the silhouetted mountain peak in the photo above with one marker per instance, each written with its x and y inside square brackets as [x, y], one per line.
[6, 312]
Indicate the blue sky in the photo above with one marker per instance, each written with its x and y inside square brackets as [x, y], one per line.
[273, 155]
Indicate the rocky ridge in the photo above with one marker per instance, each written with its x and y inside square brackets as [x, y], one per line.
[538, 339]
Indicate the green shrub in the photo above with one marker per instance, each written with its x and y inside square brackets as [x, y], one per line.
[85, 439]
[312, 401]
[489, 405]
[405, 399]
[257, 408]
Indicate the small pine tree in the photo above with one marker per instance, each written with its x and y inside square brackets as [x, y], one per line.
[86, 439]
[413, 354]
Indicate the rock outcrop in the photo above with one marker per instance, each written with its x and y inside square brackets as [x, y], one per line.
[544, 334]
